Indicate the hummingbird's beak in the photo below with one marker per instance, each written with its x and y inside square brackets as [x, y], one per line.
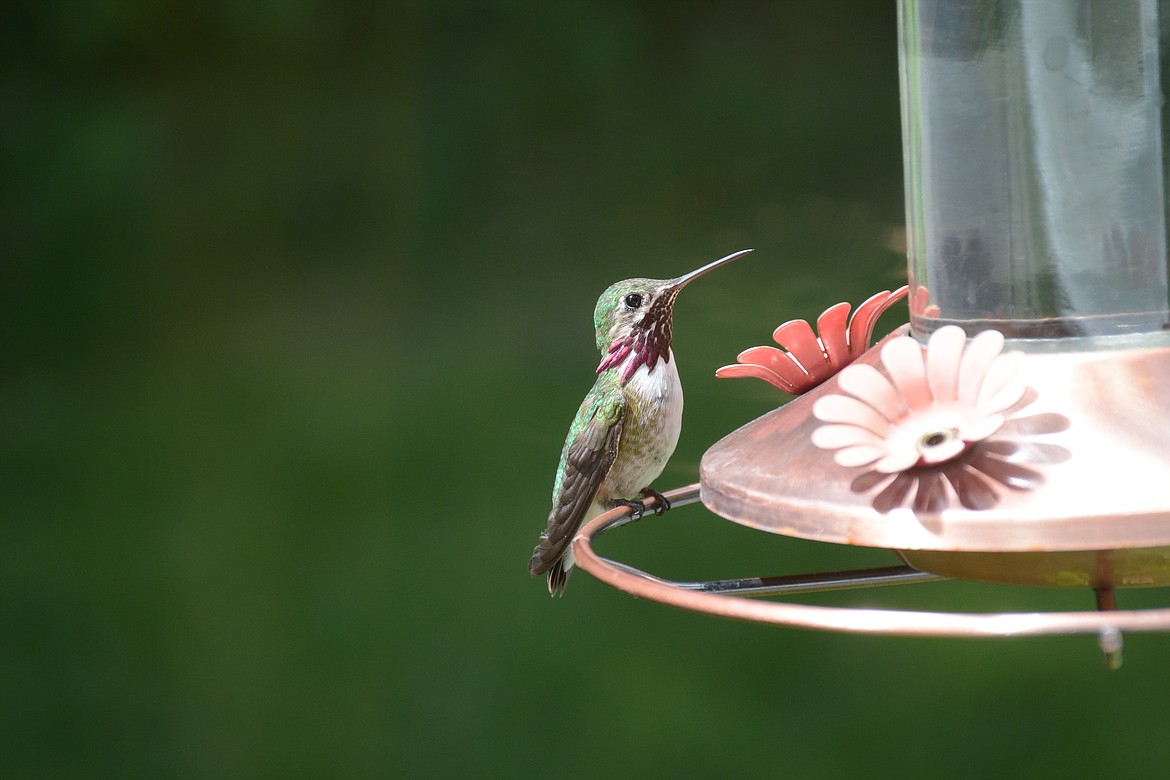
[685, 279]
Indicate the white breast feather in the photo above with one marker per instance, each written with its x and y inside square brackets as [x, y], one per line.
[651, 429]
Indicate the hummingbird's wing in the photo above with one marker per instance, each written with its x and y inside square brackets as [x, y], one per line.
[587, 460]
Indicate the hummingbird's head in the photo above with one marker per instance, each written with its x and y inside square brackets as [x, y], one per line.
[633, 317]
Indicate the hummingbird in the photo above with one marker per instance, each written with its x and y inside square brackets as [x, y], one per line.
[628, 424]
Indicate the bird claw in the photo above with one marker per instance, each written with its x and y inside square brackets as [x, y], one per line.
[662, 503]
[638, 507]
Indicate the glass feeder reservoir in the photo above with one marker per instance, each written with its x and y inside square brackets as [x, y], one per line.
[1034, 206]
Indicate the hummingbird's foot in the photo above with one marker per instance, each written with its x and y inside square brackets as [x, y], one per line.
[638, 507]
[662, 503]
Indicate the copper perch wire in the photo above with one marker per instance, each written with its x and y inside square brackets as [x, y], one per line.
[713, 598]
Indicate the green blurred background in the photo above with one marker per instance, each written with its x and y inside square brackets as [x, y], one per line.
[295, 309]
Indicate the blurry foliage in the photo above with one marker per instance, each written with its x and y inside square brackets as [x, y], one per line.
[295, 305]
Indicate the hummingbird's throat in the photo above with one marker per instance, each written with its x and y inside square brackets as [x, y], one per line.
[644, 346]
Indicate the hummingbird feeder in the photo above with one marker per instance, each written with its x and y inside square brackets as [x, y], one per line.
[1017, 430]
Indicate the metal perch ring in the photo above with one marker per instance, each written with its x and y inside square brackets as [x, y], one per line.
[713, 597]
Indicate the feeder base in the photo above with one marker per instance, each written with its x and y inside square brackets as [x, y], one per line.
[1127, 568]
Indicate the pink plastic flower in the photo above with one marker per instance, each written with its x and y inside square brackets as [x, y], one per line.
[808, 359]
[933, 407]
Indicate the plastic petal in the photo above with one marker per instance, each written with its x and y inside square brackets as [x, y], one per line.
[850, 411]
[868, 384]
[777, 361]
[857, 456]
[982, 427]
[894, 462]
[944, 352]
[1002, 387]
[835, 437]
[739, 370]
[866, 316]
[902, 358]
[981, 352]
[832, 328]
[798, 338]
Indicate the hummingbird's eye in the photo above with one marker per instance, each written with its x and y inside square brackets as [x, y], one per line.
[633, 300]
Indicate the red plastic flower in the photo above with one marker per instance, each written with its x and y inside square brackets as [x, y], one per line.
[807, 358]
[920, 304]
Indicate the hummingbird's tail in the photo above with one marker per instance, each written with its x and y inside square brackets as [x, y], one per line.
[558, 576]
[554, 552]
[557, 562]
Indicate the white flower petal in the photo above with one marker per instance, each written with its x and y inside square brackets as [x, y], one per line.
[943, 353]
[834, 437]
[902, 358]
[851, 411]
[868, 384]
[1006, 398]
[857, 456]
[981, 427]
[1002, 387]
[927, 406]
[981, 352]
[896, 462]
